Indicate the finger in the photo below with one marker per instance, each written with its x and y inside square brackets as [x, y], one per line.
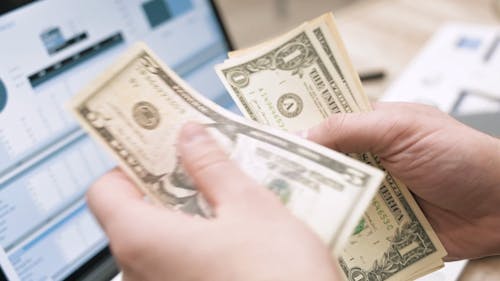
[214, 174]
[115, 201]
[358, 132]
[133, 225]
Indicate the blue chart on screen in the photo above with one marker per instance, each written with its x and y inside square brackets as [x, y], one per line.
[54, 40]
[3, 96]
[160, 11]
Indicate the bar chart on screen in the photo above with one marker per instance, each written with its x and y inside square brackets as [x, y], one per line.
[7, 272]
[55, 40]
[160, 11]
[57, 228]
[3, 96]
[49, 51]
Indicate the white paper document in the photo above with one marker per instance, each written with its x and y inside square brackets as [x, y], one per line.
[458, 71]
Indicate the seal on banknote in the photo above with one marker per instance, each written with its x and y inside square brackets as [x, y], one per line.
[292, 56]
[238, 78]
[290, 105]
[146, 115]
[358, 274]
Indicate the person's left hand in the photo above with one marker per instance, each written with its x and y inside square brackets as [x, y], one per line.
[251, 237]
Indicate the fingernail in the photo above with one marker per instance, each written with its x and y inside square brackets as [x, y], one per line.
[193, 133]
[312, 132]
[303, 134]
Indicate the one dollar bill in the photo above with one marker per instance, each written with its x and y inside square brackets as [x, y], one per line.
[137, 107]
[296, 81]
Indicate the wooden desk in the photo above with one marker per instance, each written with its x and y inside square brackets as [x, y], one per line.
[387, 34]
[379, 34]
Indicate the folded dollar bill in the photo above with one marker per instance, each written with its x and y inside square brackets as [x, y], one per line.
[137, 107]
[294, 82]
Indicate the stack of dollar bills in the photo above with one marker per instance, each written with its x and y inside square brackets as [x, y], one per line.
[369, 219]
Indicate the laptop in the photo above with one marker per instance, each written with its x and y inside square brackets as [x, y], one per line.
[49, 50]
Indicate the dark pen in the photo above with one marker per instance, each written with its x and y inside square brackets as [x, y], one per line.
[369, 76]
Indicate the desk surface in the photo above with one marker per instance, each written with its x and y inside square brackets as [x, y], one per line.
[388, 34]
[379, 34]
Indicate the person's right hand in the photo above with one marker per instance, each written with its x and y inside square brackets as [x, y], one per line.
[251, 237]
[453, 170]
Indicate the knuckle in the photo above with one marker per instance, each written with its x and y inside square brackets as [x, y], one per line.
[334, 128]
[330, 124]
[340, 124]
[335, 123]
[209, 160]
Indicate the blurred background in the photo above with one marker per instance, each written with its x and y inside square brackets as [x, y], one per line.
[379, 34]
[251, 21]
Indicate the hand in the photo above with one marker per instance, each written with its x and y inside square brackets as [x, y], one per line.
[453, 170]
[252, 236]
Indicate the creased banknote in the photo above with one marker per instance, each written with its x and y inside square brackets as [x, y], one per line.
[296, 81]
[137, 107]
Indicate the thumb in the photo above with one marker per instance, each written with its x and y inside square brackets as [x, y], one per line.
[358, 132]
[213, 173]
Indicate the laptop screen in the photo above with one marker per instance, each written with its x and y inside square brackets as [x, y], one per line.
[49, 50]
